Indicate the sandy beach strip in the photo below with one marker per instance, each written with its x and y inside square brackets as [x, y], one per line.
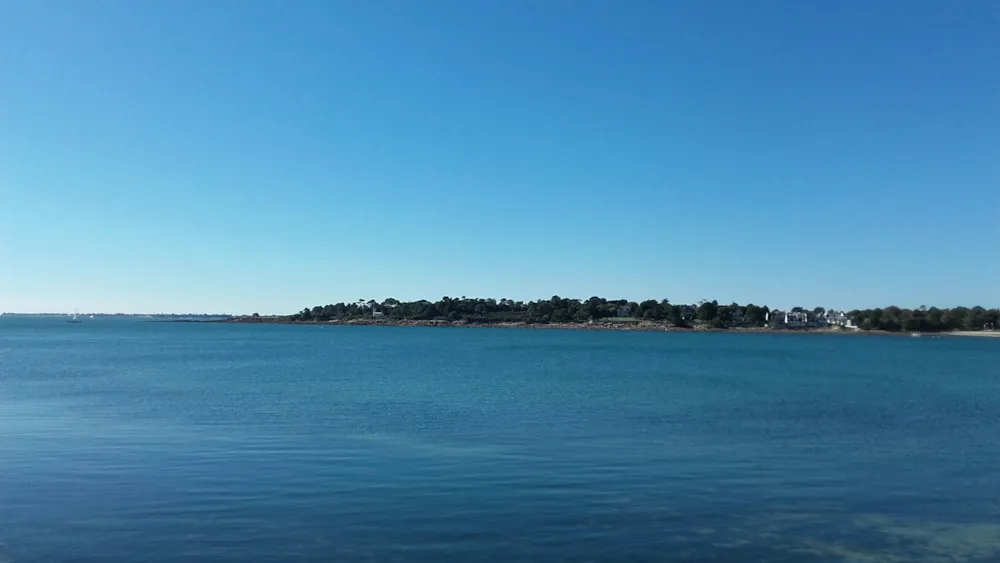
[986, 333]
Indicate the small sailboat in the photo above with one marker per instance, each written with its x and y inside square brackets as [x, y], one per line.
[74, 318]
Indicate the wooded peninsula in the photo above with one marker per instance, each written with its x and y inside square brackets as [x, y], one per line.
[651, 314]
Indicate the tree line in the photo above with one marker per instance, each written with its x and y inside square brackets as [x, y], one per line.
[705, 313]
[553, 310]
[925, 319]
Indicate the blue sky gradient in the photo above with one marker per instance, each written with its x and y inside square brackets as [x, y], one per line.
[234, 156]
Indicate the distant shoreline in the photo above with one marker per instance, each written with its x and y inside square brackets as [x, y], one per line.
[642, 326]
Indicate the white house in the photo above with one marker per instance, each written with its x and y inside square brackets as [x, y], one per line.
[796, 318]
[839, 318]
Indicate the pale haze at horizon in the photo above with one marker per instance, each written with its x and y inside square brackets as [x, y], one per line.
[252, 156]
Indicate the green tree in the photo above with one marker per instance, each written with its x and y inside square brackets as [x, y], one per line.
[649, 309]
[975, 318]
[755, 315]
[723, 316]
[594, 307]
[708, 311]
[677, 316]
[561, 315]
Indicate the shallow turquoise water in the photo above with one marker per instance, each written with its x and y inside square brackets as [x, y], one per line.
[138, 441]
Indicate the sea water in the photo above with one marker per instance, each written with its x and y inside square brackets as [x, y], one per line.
[124, 440]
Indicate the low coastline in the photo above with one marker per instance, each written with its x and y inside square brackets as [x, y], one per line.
[640, 326]
[634, 326]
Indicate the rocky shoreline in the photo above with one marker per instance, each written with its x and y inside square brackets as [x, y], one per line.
[640, 326]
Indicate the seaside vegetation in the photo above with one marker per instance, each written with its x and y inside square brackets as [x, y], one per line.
[598, 309]
[924, 319]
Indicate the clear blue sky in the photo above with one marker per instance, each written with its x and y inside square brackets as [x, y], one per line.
[243, 156]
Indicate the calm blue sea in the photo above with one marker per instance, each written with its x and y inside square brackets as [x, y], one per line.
[123, 440]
